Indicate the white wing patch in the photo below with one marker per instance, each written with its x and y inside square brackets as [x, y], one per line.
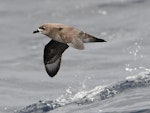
[53, 67]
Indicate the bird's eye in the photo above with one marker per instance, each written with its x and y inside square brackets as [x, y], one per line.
[43, 28]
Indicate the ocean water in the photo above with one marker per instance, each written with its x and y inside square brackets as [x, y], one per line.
[111, 77]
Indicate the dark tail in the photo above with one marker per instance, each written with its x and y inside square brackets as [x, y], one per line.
[99, 40]
[89, 38]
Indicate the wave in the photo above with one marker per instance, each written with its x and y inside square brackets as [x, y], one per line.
[134, 111]
[87, 97]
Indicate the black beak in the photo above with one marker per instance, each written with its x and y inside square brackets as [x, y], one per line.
[37, 31]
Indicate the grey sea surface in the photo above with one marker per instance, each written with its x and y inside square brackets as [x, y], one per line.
[111, 77]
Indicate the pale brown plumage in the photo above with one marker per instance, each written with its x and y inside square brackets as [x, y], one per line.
[62, 37]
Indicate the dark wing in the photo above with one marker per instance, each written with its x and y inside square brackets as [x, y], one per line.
[52, 56]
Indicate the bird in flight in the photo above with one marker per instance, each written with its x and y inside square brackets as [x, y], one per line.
[62, 37]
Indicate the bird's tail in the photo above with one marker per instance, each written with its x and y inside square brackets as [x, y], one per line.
[89, 38]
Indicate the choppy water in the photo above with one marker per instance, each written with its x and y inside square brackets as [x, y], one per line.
[110, 77]
[94, 96]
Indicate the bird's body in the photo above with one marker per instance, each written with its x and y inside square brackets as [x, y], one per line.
[62, 37]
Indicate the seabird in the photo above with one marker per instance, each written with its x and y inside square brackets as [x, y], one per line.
[62, 37]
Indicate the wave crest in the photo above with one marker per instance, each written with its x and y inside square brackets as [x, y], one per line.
[86, 97]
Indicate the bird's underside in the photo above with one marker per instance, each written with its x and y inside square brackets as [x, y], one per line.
[52, 56]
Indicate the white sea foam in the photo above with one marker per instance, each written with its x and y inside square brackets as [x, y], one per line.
[76, 98]
[84, 97]
[140, 76]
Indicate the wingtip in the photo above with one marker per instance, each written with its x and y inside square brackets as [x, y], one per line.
[51, 73]
[52, 76]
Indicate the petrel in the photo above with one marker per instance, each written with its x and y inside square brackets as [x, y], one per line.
[62, 37]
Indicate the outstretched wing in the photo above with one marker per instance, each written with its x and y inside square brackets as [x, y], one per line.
[52, 56]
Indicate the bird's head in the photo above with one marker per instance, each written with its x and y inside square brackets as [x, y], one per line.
[44, 29]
